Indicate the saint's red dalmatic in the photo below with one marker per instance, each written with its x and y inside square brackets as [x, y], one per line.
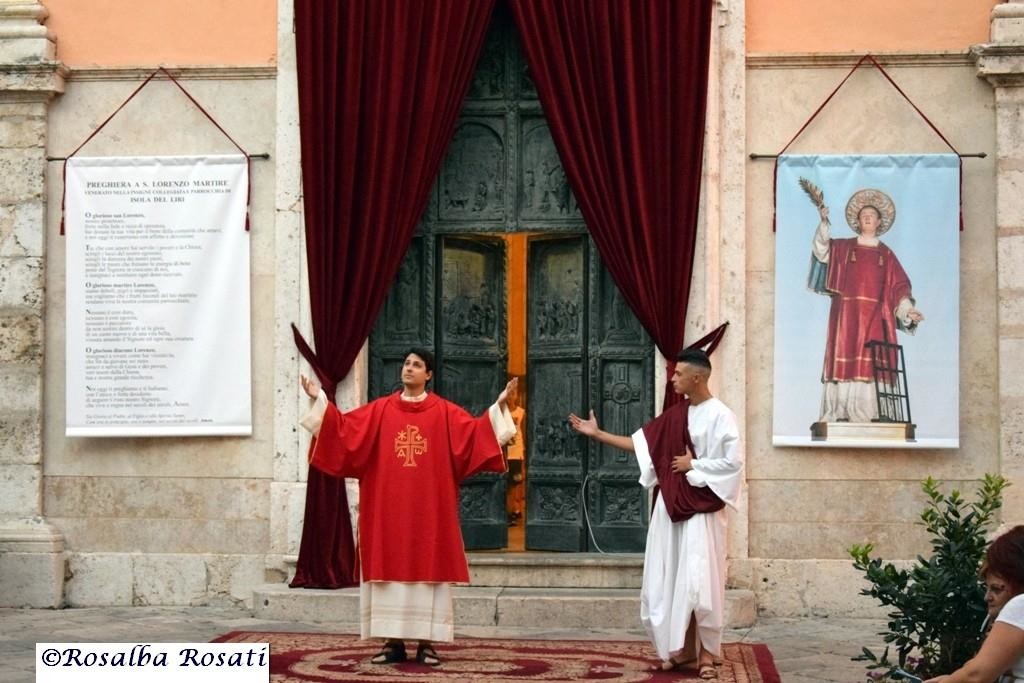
[867, 283]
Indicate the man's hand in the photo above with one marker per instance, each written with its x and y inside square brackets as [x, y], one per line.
[683, 463]
[915, 315]
[310, 386]
[509, 388]
[588, 427]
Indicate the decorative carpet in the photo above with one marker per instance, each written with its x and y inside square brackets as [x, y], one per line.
[325, 657]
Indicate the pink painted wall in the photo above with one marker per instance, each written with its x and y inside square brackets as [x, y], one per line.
[149, 33]
[866, 25]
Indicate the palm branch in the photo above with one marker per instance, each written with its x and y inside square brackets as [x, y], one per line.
[815, 193]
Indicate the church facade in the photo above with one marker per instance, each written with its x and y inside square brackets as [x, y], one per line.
[501, 279]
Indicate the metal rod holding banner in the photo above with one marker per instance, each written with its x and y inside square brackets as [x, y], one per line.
[885, 74]
[756, 156]
[262, 156]
[159, 70]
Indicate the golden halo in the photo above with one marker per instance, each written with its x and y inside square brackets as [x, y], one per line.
[870, 197]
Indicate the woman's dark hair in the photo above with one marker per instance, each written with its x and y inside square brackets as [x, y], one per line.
[427, 356]
[1005, 558]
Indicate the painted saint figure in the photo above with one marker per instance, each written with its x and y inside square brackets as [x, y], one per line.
[409, 451]
[871, 299]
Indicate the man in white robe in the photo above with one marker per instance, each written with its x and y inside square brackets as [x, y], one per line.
[683, 592]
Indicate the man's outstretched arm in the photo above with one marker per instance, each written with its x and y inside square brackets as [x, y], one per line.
[590, 429]
[502, 399]
[314, 417]
[501, 420]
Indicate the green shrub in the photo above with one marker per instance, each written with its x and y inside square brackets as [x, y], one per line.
[939, 603]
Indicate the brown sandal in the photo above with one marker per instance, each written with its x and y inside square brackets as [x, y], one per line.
[673, 665]
[707, 672]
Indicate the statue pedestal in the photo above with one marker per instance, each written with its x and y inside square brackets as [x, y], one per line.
[854, 432]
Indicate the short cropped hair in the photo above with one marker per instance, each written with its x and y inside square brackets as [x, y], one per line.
[694, 357]
[427, 356]
[1005, 558]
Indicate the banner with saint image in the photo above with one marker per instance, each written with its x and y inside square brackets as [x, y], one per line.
[867, 301]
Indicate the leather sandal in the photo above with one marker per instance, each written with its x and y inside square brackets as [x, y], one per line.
[707, 672]
[426, 654]
[392, 652]
[673, 665]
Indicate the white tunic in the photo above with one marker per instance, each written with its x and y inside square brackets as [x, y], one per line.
[684, 563]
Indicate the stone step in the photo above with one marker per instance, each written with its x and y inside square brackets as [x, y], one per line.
[556, 570]
[549, 570]
[501, 606]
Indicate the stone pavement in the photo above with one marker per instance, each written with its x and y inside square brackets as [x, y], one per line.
[811, 650]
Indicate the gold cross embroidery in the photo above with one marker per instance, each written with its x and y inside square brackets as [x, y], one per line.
[409, 444]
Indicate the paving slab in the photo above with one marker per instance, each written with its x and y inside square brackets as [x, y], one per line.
[811, 650]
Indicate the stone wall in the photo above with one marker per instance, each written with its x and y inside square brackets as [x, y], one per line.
[807, 506]
[31, 551]
[1001, 63]
[152, 521]
[204, 520]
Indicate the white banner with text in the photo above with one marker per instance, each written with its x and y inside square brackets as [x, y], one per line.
[157, 292]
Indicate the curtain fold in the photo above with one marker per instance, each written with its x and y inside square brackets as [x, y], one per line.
[624, 88]
[381, 83]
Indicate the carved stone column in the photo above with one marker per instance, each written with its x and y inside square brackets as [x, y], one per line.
[31, 551]
[1001, 62]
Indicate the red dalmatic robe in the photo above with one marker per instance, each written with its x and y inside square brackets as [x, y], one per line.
[409, 458]
[667, 435]
[866, 285]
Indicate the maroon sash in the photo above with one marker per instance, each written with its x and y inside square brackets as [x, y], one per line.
[664, 435]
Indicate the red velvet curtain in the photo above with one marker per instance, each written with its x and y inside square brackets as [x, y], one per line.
[381, 83]
[624, 86]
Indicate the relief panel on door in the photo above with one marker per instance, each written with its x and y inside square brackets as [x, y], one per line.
[472, 355]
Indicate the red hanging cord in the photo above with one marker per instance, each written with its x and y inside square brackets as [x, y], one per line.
[874, 62]
[248, 159]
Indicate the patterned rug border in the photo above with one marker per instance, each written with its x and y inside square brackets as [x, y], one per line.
[749, 663]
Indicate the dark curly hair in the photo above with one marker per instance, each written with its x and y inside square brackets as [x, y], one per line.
[1005, 558]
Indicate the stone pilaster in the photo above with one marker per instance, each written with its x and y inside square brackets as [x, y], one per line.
[31, 551]
[1001, 63]
[725, 191]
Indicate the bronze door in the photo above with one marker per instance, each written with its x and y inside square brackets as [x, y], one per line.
[586, 350]
[622, 395]
[471, 349]
[557, 369]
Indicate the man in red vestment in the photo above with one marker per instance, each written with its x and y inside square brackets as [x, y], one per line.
[409, 451]
[871, 299]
